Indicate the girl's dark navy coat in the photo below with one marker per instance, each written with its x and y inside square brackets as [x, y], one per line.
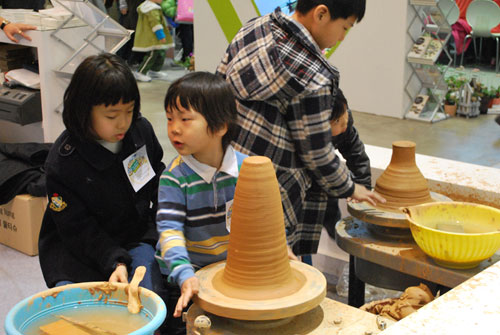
[101, 216]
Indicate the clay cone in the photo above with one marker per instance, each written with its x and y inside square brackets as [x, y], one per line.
[258, 281]
[257, 263]
[402, 183]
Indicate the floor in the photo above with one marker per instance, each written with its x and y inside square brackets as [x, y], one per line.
[474, 140]
[455, 138]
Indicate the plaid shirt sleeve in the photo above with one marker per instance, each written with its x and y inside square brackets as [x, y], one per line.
[308, 121]
[353, 150]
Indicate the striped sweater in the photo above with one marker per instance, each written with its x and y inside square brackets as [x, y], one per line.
[191, 218]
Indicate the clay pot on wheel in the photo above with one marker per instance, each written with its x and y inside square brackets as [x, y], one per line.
[258, 281]
[402, 182]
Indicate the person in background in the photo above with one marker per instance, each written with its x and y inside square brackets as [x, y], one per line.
[285, 91]
[345, 139]
[23, 4]
[151, 36]
[11, 29]
[186, 35]
[102, 182]
[183, 30]
[128, 19]
[169, 8]
[99, 4]
[197, 187]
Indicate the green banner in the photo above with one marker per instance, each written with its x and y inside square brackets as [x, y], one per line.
[226, 16]
[330, 51]
[230, 23]
[256, 8]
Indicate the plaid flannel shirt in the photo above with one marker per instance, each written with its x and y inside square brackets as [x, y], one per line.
[285, 90]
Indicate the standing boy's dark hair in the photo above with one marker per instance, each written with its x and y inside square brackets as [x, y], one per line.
[337, 8]
[339, 106]
[99, 80]
[209, 95]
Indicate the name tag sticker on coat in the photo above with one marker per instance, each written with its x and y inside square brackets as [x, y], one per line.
[138, 168]
[229, 213]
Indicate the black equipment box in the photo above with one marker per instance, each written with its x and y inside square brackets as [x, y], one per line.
[20, 105]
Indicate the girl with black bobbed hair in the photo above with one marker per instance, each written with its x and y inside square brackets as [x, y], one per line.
[102, 182]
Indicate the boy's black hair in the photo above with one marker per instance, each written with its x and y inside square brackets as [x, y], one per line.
[339, 106]
[100, 79]
[209, 95]
[338, 8]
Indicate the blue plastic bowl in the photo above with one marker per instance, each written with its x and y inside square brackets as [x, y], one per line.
[56, 300]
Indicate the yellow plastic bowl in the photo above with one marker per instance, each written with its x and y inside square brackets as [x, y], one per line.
[456, 235]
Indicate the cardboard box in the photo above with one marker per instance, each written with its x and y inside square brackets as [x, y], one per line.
[20, 222]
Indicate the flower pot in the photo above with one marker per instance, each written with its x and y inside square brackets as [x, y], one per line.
[483, 107]
[450, 110]
[495, 101]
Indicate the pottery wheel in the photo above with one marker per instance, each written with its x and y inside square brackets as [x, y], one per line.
[383, 217]
[306, 298]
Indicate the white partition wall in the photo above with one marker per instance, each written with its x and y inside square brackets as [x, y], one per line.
[210, 43]
[371, 60]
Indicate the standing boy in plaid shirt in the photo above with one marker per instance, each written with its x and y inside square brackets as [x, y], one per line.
[285, 92]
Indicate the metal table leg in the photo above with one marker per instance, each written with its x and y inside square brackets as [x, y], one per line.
[356, 292]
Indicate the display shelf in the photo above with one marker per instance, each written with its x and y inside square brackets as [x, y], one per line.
[59, 51]
[430, 76]
[427, 46]
[426, 50]
[423, 3]
[426, 106]
[104, 35]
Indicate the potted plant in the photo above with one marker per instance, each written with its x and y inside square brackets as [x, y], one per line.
[486, 95]
[450, 103]
[451, 97]
[496, 97]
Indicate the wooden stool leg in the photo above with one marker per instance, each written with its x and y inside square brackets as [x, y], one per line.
[356, 292]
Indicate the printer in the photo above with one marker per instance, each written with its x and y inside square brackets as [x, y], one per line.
[20, 105]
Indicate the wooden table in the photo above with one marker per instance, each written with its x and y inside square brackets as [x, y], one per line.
[329, 318]
[398, 256]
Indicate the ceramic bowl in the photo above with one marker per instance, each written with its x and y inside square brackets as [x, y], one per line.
[457, 235]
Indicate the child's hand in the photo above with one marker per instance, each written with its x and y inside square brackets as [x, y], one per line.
[362, 194]
[189, 288]
[163, 40]
[120, 275]
[291, 255]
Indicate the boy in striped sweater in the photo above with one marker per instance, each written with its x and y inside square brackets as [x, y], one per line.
[197, 188]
